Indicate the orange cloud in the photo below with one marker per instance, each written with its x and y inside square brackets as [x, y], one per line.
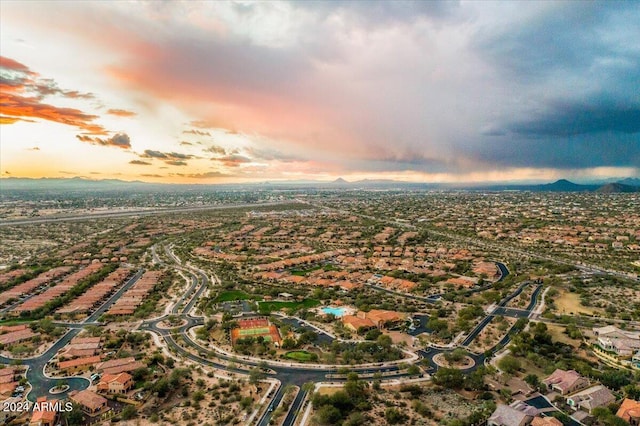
[11, 120]
[121, 113]
[21, 95]
[16, 107]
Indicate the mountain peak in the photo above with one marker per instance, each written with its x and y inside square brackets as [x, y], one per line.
[340, 180]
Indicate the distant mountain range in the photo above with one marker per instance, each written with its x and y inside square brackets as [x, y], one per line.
[81, 184]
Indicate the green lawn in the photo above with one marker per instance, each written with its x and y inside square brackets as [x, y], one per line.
[267, 307]
[304, 272]
[228, 296]
[302, 356]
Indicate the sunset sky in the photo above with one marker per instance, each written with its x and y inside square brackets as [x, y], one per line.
[215, 92]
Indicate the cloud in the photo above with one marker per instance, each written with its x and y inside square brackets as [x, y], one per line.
[151, 175]
[271, 154]
[375, 13]
[21, 97]
[13, 65]
[378, 86]
[11, 120]
[139, 163]
[185, 143]
[35, 148]
[569, 119]
[207, 175]
[121, 113]
[197, 132]
[233, 160]
[119, 140]
[149, 153]
[215, 149]
[17, 107]
[169, 158]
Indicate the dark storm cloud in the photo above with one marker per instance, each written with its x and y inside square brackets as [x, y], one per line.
[568, 119]
[605, 149]
[573, 69]
[573, 36]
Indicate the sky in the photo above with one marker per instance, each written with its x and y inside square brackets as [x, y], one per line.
[220, 92]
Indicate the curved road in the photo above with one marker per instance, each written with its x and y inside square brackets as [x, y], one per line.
[35, 374]
[298, 374]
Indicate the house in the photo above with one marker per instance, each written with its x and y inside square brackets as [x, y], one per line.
[629, 411]
[116, 383]
[357, 324]
[566, 382]
[621, 342]
[44, 414]
[7, 374]
[545, 421]
[382, 318]
[90, 402]
[588, 399]
[119, 365]
[78, 364]
[506, 415]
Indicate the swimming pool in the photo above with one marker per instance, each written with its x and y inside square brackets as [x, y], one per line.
[338, 312]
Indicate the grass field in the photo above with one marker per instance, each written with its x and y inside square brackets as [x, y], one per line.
[302, 356]
[228, 296]
[267, 307]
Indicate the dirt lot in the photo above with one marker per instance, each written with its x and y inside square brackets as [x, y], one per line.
[569, 303]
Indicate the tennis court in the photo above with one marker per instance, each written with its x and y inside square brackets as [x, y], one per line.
[253, 331]
[255, 327]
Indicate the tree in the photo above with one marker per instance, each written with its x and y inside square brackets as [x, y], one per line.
[372, 334]
[327, 415]
[615, 379]
[532, 380]
[73, 417]
[509, 364]
[256, 375]
[456, 355]
[394, 416]
[413, 370]
[128, 412]
[384, 341]
[355, 419]
[632, 392]
[449, 378]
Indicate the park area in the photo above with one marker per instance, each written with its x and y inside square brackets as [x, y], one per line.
[266, 308]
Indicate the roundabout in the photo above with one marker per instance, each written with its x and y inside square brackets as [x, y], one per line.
[465, 363]
[59, 389]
